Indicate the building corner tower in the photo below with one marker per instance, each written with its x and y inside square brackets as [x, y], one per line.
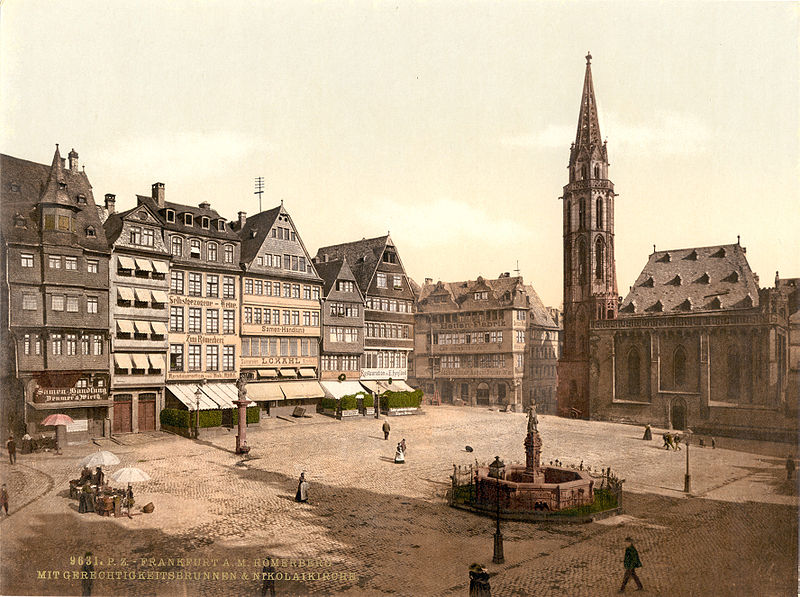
[590, 281]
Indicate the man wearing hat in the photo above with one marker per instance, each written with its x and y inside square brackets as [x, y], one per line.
[632, 562]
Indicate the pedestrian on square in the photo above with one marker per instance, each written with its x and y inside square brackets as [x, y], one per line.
[386, 429]
[713, 443]
[11, 446]
[99, 477]
[479, 582]
[677, 442]
[403, 445]
[4, 498]
[648, 433]
[268, 577]
[667, 441]
[399, 455]
[86, 574]
[632, 562]
[302, 489]
[790, 466]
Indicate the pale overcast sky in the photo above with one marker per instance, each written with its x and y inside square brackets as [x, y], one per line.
[446, 123]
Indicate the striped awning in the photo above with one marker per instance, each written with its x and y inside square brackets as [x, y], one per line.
[337, 389]
[159, 327]
[302, 389]
[222, 393]
[213, 396]
[159, 296]
[125, 262]
[142, 327]
[140, 361]
[161, 267]
[125, 293]
[308, 372]
[142, 295]
[288, 372]
[144, 264]
[156, 361]
[264, 391]
[271, 373]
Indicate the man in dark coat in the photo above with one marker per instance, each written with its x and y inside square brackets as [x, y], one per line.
[632, 562]
[386, 429]
[11, 445]
[86, 574]
[4, 498]
[99, 477]
[479, 582]
[268, 578]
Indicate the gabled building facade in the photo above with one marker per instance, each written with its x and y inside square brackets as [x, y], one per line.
[470, 340]
[389, 313]
[541, 358]
[280, 312]
[139, 316]
[55, 295]
[204, 277]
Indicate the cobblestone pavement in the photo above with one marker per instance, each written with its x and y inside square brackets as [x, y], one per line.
[377, 528]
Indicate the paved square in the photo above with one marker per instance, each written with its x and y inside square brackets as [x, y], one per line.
[372, 527]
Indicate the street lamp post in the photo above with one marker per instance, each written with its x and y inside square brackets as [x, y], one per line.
[496, 472]
[197, 395]
[687, 480]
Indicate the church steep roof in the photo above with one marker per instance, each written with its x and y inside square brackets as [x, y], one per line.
[692, 280]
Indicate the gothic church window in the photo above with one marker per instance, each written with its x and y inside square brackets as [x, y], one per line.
[596, 171]
[599, 210]
[568, 262]
[679, 367]
[599, 256]
[581, 262]
[582, 214]
[634, 368]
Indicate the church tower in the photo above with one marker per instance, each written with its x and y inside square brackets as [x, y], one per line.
[590, 280]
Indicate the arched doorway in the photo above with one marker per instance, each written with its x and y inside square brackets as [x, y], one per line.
[678, 414]
[482, 395]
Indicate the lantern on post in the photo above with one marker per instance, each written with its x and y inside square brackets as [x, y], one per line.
[496, 470]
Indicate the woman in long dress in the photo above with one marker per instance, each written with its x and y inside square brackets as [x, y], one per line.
[399, 456]
[302, 489]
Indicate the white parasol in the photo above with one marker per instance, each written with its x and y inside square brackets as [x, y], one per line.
[130, 474]
[99, 458]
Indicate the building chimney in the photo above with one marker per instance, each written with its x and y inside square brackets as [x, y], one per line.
[325, 257]
[63, 162]
[111, 201]
[242, 219]
[428, 280]
[73, 160]
[205, 205]
[158, 193]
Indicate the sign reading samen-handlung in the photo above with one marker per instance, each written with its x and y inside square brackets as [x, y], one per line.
[69, 394]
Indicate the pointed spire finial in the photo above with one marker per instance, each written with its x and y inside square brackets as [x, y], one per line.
[588, 58]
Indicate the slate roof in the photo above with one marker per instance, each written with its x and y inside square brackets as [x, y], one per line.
[519, 295]
[693, 280]
[363, 257]
[255, 230]
[197, 212]
[23, 184]
[332, 271]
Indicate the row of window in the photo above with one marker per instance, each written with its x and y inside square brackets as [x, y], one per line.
[343, 362]
[194, 357]
[257, 315]
[57, 261]
[390, 359]
[60, 344]
[61, 302]
[195, 249]
[543, 352]
[345, 286]
[343, 334]
[268, 288]
[344, 309]
[195, 284]
[473, 317]
[294, 263]
[391, 305]
[544, 371]
[195, 320]
[388, 281]
[481, 361]
[387, 330]
[279, 347]
[188, 220]
[467, 338]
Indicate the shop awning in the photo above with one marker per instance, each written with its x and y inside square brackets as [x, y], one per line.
[186, 394]
[125, 262]
[125, 326]
[268, 373]
[159, 296]
[302, 389]
[144, 264]
[287, 372]
[398, 385]
[70, 404]
[372, 386]
[222, 393]
[308, 372]
[142, 294]
[159, 327]
[156, 361]
[123, 361]
[140, 361]
[125, 293]
[337, 389]
[142, 327]
[264, 391]
[161, 267]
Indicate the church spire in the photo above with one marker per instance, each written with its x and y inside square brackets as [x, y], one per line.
[588, 135]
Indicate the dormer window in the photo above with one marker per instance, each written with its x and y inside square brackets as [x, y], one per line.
[704, 279]
[665, 258]
[90, 232]
[481, 296]
[19, 221]
[194, 248]
[715, 303]
[204, 222]
[62, 186]
[389, 256]
[221, 225]
[170, 213]
[188, 219]
[81, 199]
[691, 256]
[720, 253]
[647, 283]
[676, 281]
[732, 277]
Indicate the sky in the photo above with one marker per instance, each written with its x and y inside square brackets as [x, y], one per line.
[447, 124]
